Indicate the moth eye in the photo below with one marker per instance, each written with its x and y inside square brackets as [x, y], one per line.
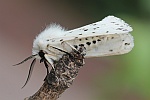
[41, 53]
[47, 40]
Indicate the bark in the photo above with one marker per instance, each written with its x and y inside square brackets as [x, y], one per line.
[60, 78]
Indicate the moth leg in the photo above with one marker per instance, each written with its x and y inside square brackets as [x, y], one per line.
[68, 46]
[57, 52]
[50, 60]
[46, 65]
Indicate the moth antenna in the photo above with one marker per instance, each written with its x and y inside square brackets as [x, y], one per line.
[25, 60]
[30, 71]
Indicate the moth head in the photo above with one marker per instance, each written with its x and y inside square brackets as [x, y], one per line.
[36, 54]
[39, 47]
[40, 54]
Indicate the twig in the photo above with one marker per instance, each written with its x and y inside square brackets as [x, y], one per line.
[60, 78]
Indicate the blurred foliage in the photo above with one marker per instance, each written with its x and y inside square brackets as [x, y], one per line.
[131, 80]
[101, 8]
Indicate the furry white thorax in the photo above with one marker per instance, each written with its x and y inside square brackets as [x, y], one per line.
[42, 40]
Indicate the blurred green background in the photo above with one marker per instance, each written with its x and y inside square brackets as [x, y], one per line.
[131, 79]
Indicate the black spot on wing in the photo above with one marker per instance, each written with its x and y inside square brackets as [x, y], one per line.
[85, 29]
[125, 30]
[81, 45]
[61, 39]
[94, 42]
[112, 22]
[98, 39]
[107, 38]
[112, 37]
[88, 43]
[119, 28]
[53, 40]
[47, 45]
[76, 46]
[127, 43]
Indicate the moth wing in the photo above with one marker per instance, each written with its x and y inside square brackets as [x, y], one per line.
[114, 34]
[109, 25]
[120, 44]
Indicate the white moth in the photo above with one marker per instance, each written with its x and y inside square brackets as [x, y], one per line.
[103, 38]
